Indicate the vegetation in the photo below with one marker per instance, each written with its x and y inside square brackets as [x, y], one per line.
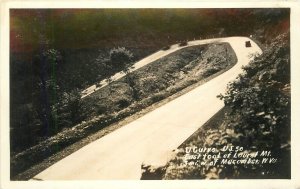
[121, 98]
[121, 57]
[160, 79]
[257, 118]
[136, 28]
[56, 53]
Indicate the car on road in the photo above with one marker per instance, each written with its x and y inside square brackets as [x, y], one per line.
[248, 44]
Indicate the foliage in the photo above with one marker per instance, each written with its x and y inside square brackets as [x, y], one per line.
[161, 78]
[51, 108]
[79, 28]
[261, 98]
[258, 119]
[52, 57]
[124, 58]
[77, 118]
[121, 57]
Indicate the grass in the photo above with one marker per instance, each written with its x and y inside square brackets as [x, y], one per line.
[199, 135]
[160, 79]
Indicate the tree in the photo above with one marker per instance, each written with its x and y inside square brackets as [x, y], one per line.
[70, 108]
[45, 66]
[123, 58]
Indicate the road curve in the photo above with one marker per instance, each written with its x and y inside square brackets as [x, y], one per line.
[151, 138]
[149, 59]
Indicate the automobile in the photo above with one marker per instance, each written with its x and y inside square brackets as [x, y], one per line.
[248, 44]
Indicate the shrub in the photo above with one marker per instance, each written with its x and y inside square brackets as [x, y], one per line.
[120, 56]
[157, 97]
[123, 103]
[210, 71]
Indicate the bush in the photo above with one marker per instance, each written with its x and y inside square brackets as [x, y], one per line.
[123, 103]
[210, 71]
[120, 56]
[157, 97]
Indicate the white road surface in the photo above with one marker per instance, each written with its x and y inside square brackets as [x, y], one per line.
[151, 138]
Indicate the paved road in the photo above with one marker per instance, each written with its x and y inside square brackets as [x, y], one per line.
[149, 59]
[151, 138]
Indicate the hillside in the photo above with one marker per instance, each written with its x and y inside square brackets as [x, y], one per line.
[56, 53]
[161, 80]
[256, 118]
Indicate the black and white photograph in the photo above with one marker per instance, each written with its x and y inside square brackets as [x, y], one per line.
[148, 93]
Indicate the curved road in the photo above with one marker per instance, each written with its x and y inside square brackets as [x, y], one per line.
[151, 138]
[149, 59]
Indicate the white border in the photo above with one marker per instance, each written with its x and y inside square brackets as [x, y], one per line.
[186, 184]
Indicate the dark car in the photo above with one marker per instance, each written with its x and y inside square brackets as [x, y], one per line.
[248, 44]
